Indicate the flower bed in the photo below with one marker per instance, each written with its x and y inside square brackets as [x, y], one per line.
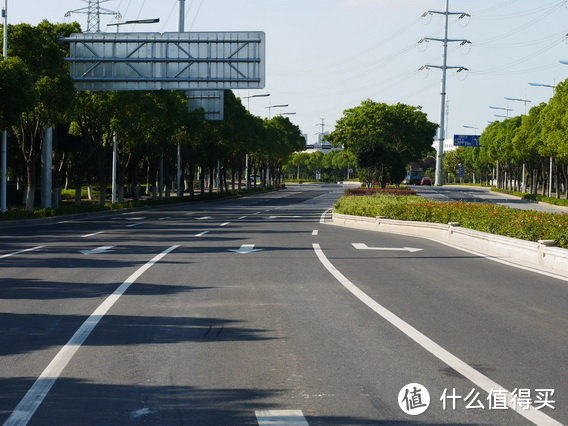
[373, 191]
[523, 224]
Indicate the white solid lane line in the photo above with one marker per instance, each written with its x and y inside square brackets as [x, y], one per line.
[201, 234]
[90, 235]
[20, 252]
[39, 390]
[479, 379]
[280, 418]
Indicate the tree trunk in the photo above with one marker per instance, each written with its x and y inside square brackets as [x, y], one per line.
[30, 187]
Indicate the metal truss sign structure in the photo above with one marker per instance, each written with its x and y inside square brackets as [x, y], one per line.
[211, 101]
[168, 61]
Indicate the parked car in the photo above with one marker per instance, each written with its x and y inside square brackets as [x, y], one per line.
[425, 181]
[412, 180]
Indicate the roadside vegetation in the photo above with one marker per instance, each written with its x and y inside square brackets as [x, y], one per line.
[97, 207]
[494, 219]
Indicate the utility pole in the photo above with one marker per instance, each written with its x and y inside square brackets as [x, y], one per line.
[444, 68]
[181, 29]
[94, 12]
[4, 172]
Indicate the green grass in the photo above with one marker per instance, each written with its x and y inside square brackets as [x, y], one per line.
[522, 224]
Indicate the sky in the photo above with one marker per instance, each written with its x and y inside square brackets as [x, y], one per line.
[326, 56]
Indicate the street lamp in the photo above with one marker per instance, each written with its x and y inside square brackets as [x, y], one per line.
[4, 167]
[134, 21]
[501, 116]
[470, 127]
[274, 106]
[542, 85]
[526, 101]
[255, 96]
[287, 113]
[502, 109]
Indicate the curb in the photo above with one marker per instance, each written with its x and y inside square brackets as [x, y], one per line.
[539, 255]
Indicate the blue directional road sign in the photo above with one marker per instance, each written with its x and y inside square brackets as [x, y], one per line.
[467, 140]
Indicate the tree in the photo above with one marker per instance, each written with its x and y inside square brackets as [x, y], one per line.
[16, 91]
[384, 138]
[39, 48]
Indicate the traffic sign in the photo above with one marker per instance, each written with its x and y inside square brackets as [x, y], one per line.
[467, 140]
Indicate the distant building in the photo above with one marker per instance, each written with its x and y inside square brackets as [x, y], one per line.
[448, 145]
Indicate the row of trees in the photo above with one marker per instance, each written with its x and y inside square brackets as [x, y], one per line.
[522, 149]
[332, 166]
[37, 93]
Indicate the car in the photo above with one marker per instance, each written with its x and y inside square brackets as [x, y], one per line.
[425, 181]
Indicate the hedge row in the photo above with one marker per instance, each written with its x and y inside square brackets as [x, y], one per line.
[534, 197]
[523, 224]
[94, 207]
[374, 191]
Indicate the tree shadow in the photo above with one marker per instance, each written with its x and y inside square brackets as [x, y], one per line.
[23, 333]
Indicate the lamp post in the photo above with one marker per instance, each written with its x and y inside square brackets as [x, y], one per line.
[4, 171]
[470, 127]
[274, 106]
[287, 113]
[263, 95]
[134, 21]
[524, 172]
[553, 87]
[114, 188]
[525, 101]
[502, 109]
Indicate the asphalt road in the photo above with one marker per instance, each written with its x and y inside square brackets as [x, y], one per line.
[249, 311]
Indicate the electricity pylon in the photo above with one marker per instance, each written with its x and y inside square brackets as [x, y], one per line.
[444, 68]
[94, 12]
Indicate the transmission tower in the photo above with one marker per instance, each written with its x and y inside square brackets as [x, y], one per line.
[94, 12]
[444, 68]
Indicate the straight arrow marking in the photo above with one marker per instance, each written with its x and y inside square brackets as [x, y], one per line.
[245, 248]
[363, 246]
[102, 249]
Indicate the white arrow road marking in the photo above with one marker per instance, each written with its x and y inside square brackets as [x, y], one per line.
[102, 249]
[363, 246]
[280, 418]
[245, 248]
[20, 252]
[41, 387]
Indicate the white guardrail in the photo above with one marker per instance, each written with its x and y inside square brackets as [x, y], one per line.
[542, 254]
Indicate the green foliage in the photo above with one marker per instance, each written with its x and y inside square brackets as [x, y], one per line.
[16, 91]
[384, 138]
[494, 219]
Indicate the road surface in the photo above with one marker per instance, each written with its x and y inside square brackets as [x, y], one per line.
[252, 311]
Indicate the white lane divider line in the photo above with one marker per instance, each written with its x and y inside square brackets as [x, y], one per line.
[315, 232]
[20, 252]
[201, 234]
[477, 378]
[203, 218]
[90, 235]
[164, 218]
[322, 218]
[257, 213]
[280, 418]
[225, 224]
[133, 225]
[39, 390]
[242, 217]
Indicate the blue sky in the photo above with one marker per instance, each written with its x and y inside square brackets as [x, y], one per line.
[324, 56]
